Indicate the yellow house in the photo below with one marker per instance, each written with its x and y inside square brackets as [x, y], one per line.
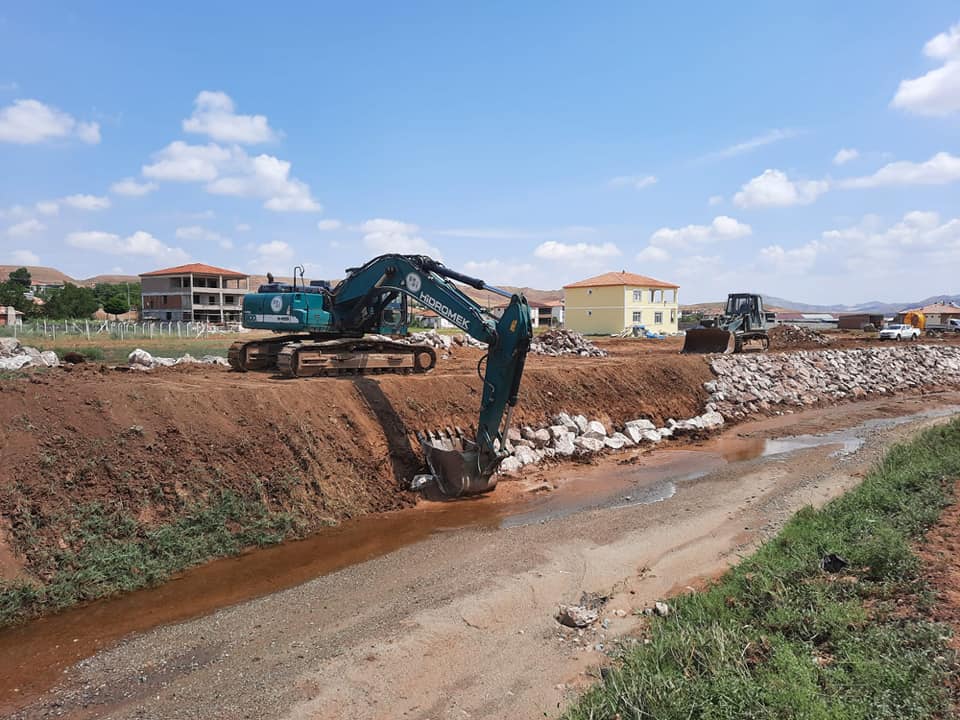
[609, 303]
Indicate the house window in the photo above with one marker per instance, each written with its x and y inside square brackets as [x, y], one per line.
[589, 312]
[164, 299]
[196, 299]
[637, 296]
[658, 318]
[590, 291]
[228, 299]
[673, 316]
[637, 317]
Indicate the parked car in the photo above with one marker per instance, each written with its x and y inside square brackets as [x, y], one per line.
[899, 332]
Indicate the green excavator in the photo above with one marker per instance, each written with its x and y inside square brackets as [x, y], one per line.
[742, 326]
[340, 331]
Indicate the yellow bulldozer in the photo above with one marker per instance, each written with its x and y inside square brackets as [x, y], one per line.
[742, 326]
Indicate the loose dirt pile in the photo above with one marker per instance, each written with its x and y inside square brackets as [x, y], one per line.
[785, 337]
[558, 342]
[751, 383]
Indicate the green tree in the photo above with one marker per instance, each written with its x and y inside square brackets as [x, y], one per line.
[71, 302]
[20, 276]
[11, 293]
[116, 304]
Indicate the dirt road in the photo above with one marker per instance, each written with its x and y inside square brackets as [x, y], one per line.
[460, 623]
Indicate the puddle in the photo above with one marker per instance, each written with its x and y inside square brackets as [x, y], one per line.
[33, 656]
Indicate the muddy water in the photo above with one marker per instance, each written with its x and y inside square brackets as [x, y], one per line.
[34, 655]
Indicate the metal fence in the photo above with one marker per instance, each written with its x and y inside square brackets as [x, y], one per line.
[114, 329]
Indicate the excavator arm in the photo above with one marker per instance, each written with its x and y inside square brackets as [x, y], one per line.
[459, 466]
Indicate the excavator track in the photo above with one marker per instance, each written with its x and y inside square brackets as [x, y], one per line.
[353, 357]
[247, 355]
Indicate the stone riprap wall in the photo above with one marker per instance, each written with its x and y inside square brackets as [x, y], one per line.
[751, 383]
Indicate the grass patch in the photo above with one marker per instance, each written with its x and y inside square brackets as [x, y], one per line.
[777, 637]
[110, 552]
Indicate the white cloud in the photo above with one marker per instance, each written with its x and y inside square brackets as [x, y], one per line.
[500, 272]
[774, 189]
[26, 228]
[327, 225]
[581, 252]
[242, 227]
[48, 207]
[197, 232]
[507, 233]
[797, 260]
[129, 186]
[652, 253]
[845, 155]
[936, 93]
[941, 169]
[182, 162]
[722, 227]
[230, 171]
[637, 182]
[140, 243]
[86, 202]
[26, 122]
[920, 239]
[275, 254]
[715, 200]
[213, 115]
[767, 138]
[24, 257]
[383, 235]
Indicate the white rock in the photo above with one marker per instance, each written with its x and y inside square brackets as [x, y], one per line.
[650, 436]
[588, 445]
[626, 441]
[509, 465]
[49, 358]
[634, 433]
[615, 443]
[595, 430]
[711, 420]
[140, 357]
[665, 432]
[525, 455]
[14, 363]
[9, 347]
[576, 616]
[565, 446]
[541, 438]
[640, 424]
[581, 422]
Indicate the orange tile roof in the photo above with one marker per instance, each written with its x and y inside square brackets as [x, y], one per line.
[197, 268]
[939, 308]
[621, 278]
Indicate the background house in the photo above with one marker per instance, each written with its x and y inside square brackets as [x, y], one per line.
[194, 292]
[609, 303]
[936, 314]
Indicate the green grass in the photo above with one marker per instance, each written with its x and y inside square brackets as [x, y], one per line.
[778, 638]
[110, 552]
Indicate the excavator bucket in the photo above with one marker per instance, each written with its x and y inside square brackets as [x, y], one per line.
[704, 340]
[454, 463]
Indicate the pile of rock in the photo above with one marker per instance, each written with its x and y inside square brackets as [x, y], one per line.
[787, 336]
[571, 435]
[747, 384]
[564, 342]
[142, 360]
[14, 356]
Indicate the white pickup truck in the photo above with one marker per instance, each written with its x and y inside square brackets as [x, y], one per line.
[899, 332]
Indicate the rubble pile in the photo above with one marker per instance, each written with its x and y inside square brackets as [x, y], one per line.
[142, 360]
[564, 342]
[752, 383]
[14, 356]
[790, 336]
[575, 435]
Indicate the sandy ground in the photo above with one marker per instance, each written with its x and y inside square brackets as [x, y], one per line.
[461, 624]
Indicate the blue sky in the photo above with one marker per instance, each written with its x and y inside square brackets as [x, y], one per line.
[528, 143]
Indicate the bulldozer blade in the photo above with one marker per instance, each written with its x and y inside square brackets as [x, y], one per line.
[708, 340]
[456, 472]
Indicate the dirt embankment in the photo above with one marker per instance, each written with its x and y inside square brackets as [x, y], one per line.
[155, 445]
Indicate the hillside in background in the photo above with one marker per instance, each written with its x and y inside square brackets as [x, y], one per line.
[52, 276]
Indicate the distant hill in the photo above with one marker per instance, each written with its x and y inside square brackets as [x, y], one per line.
[52, 276]
[874, 306]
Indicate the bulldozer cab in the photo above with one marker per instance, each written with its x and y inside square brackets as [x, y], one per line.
[744, 304]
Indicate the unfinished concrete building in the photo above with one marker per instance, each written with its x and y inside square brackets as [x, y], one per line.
[194, 293]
